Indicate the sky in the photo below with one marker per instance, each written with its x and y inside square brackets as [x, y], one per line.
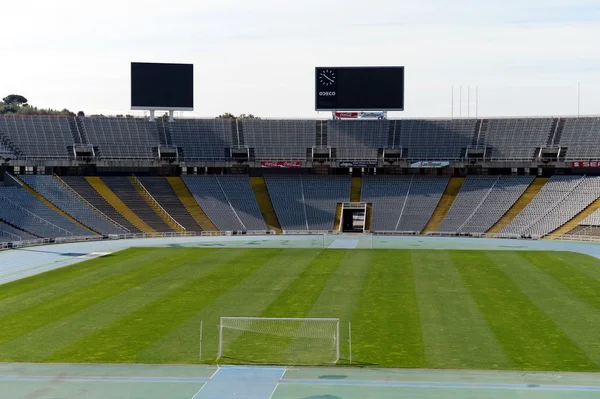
[527, 57]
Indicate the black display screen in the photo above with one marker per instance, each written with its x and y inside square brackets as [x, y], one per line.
[162, 86]
[359, 88]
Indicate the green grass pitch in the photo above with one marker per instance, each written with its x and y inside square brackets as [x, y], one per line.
[409, 308]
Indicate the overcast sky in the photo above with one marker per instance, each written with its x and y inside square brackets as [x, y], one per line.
[258, 56]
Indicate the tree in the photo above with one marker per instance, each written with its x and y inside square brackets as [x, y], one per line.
[15, 99]
[226, 115]
[80, 114]
[249, 116]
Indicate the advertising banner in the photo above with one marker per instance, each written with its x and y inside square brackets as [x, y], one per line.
[358, 164]
[586, 164]
[430, 164]
[346, 115]
[371, 115]
[280, 164]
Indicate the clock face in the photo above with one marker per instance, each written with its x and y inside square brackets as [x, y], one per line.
[326, 77]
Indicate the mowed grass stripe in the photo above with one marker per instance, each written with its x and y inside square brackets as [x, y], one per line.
[41, 343]
[248, 298]
[80, 276]
[529, 337]
[295, 301]
[576, 317]
[455, 333]
[56, 279]
[386, 328]
[300, 295]
[582, 285]
[589, 265]
[340, 295]
[21, 323]
[122, 340]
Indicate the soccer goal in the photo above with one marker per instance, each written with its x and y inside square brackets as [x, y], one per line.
[276, 340]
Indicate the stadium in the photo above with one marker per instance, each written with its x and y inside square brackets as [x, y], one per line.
[345, 257]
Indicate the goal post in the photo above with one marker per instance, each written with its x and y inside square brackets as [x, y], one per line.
[279, 340]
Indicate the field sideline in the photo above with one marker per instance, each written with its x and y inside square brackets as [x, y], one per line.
[524, 310]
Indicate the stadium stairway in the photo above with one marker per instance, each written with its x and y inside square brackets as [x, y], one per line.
[114, 201]
[445, 203]
[187, 199]
[355, 189]
[152, 203]
[259, 186]
[574, 223]
[54, 207]
[338, 217]
[518, 206]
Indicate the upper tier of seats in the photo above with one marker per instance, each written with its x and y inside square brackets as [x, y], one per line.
[581, 136]
[213, 139]
[279, 139]
[358, 139]
[122, 138]
[430, 139]
[207, 139]
[37, 136]
[517, 138]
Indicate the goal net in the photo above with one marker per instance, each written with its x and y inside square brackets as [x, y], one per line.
[279, 340]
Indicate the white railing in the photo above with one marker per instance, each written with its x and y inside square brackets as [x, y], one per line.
[155, 202]
[88, 204]
[307, 232]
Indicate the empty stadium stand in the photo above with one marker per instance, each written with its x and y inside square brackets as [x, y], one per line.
[80, 185]
[402, 203]
[433, 139]
[23, 210]
[127, 193]
[558, 201]
[358, 139]
[164, 194]
[206, 139]
[580, 138]
[307, 202]
[482, 201]
[55, 192]
[517, 138]
[122, 138]
[8, 234]
[38, 136]
[228, 201]
[279, 139]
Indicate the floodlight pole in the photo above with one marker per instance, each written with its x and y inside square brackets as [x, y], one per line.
[171, 112]
[452, 103]
[151, 115]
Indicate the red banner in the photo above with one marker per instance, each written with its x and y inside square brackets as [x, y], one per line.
[280, 164]
[346, 114]
[586, 164]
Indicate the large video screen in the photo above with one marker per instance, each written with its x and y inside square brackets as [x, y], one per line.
[359, 88]
[162, 86]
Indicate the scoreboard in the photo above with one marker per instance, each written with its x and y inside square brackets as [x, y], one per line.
[359, 88]
[162, 86]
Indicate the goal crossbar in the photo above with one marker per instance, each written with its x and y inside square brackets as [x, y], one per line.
[288, 340]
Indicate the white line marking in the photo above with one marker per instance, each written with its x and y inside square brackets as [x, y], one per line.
[194, 397]
[285, 371]
[216, 371]
[272, 393]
